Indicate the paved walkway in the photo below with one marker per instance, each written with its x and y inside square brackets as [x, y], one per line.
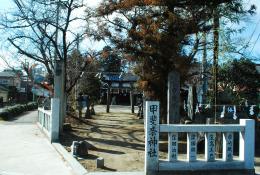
[24, 150]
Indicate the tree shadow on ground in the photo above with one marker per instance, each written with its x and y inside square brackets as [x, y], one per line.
[89, 157]
[108, 169]
[122, 135]
[68, 138]
[135, 146]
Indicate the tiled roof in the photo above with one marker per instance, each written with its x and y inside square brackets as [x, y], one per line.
[125, 77]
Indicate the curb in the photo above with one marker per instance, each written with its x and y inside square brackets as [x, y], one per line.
[77, 168]
[116, 173]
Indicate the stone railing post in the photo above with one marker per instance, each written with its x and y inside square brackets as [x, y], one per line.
[210, 146]
[228, 142]
[54, 119]
[247, 143]
[192, 139]
[152, 137]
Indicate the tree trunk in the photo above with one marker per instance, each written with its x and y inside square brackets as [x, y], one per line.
[108, 99]
[192, 102]
[132, 101]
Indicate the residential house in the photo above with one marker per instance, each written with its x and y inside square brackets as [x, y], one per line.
[10, 78]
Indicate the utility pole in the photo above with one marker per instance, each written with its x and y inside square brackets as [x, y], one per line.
[204, 68]
[215, 76]
[215, 58]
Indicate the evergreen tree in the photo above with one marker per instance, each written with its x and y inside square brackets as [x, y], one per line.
[160, 35]
[240, 80]
[110, 61]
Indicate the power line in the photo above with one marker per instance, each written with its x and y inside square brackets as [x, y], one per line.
[254, 44]
[251, 37]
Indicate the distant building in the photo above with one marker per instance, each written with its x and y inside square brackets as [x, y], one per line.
[121, 86]
[10, 78]
[18, 86]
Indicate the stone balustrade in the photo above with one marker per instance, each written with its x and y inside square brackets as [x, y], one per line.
[48, 120]
[153, 165]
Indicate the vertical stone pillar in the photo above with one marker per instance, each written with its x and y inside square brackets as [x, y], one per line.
[173, 98]
[152, 137]
[55, 120]
[247, 143]
[59, 89]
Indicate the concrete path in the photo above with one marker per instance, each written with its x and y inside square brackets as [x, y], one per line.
[24, 150]
[115, 108]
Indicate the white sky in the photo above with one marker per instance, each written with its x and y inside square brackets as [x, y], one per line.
[251, 25]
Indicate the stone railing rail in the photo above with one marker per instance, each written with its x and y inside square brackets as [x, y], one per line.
[153, 165]
[48, 120]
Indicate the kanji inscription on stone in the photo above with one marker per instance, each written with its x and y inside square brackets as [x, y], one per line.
[192, 147]
[152, 136]
[228, 146]
[210, 146]
[173, 147]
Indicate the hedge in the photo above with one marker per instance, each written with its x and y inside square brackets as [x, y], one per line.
[13, 111]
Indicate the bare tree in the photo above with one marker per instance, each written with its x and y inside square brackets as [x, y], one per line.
[45, 32]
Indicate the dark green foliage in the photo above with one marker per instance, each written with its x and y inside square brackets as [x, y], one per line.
[110, 60]
[111, 64]
[91, 86]
[4, 114]
[239, 80]
[87, 83]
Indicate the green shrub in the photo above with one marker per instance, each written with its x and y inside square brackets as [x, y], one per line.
[32, 106]
[13, 111]
[4, 114]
